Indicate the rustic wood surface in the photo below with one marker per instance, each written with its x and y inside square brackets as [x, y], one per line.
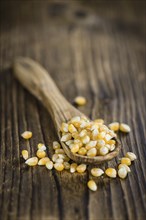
[96, 50]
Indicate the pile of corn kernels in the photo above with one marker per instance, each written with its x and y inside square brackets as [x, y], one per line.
[85, 137]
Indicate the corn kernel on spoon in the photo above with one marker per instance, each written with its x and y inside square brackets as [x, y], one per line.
[39, 83]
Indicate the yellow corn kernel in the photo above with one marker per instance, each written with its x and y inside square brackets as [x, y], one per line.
[114, 126]
[112, 147]
[100, 143]
[92, 185]
[124, 166]
[72, 128]
[75, 148]
[85, 139]
[110, 142]
[64, 127]
[59, 166]
[95, 133]
[99, 121]
[76, 121]
[103, 128]
[49, 165]
[59, 151]
[80, 100]
[73, 167]
[83, 133]
[126, 161]
[66, 137]
[66, 165]
[41, 146]
[122, 173]
[25, 154]
[82, 151]
[91, 144]
[32, 161]
[56, 145]
[97, 172]
[68, 143]
[125, 128]
[111, 172]
[43, 161]
[92, 152]
[103, 151]
[40, 153]
[81, 168]
[75, 135]
[101, 135]
[26, 134]
[107, 137]
[131, 156]
[78, 141]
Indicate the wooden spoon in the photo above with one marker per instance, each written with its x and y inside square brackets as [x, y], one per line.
[38, 82]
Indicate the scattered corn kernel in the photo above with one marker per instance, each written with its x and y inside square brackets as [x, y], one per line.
[114, 126]
[131, 156]
[43, 161]
[66, 165]
[124, 166]
[49, 165]
[41, 146]
[122, 173]
[73, 167]
[32, 161]
[59, 151]
[40, 153]
[55, 157]
[111, 172]
[80, 100]
[56, 145]
[97, 172]
[59, 160]
[26, 134]
[81, 168]
[59, 166]
[126, 161]
[124, 128]
[25, 154]
[92, 185]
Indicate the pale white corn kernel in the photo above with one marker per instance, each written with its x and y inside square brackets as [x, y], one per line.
[25, 154]
[92, 152]
[111, 172]
[90, 145]
[59, 151]
[95, 133]
[94, 126]
[66, 137]
[103, 128]
[72, 128]
[75, 119]
[64, 127]
[32, 161]
[75, 148]
[59, 160]
[103, 150]
[92, 185]
[68, 143]
[66, 165]
[78, 141]
[100, 143]
[86, 139]
[83, 133]
[114, 126]
[122, 173]
[56, 145]
[59, 166]
[40, 153]
[83, 124]
[49, 165]
[81, 168]
[108, 137]
[131, 156]
[124, 166]
[97, 172]
[108, 146]
[26, 134]
[112, 147]
[82, 151]
[80, 100]
[73, 167]
[41, 147]
[125, 128]
[43, 161]
[55, 157]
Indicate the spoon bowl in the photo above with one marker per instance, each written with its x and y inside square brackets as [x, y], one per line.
[39, 83]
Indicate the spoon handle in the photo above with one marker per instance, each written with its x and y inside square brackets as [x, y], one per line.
[38, 82]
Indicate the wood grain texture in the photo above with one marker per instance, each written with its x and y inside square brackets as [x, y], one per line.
[97, 51]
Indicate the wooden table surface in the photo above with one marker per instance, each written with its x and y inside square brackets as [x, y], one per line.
[96, 50]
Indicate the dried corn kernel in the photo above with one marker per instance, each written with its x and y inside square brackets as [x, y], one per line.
[83, 133]
[32, 161]
[40, 153]
[90, 145]
[99, 121]
[80, 100]
[131, 156]
[75, 148]
[124, 128]
[43, 161]
[122, 173]
[68, 143]
[126, 161]
[55, 157]
[86, 139]
[114, 126]
[101, 135]
[49, 165]
[107, 137]
[82, 151]
[111, 172]
[110, 142]
[73, 167]
[92, 152]
[72, 128]
[59, 160]
[25, 154]
[59, 151]
[92, 185]
[66, 137]
[64, 127]
[66, 165]
[100, 143]
[103, 150]
[26, 134]
[59, 166]
[41, 146]
[112, 147]
[124, 166]
[97, 172]
[81, 168]
[56, 145]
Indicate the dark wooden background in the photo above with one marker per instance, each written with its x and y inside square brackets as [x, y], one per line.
[95, 49]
